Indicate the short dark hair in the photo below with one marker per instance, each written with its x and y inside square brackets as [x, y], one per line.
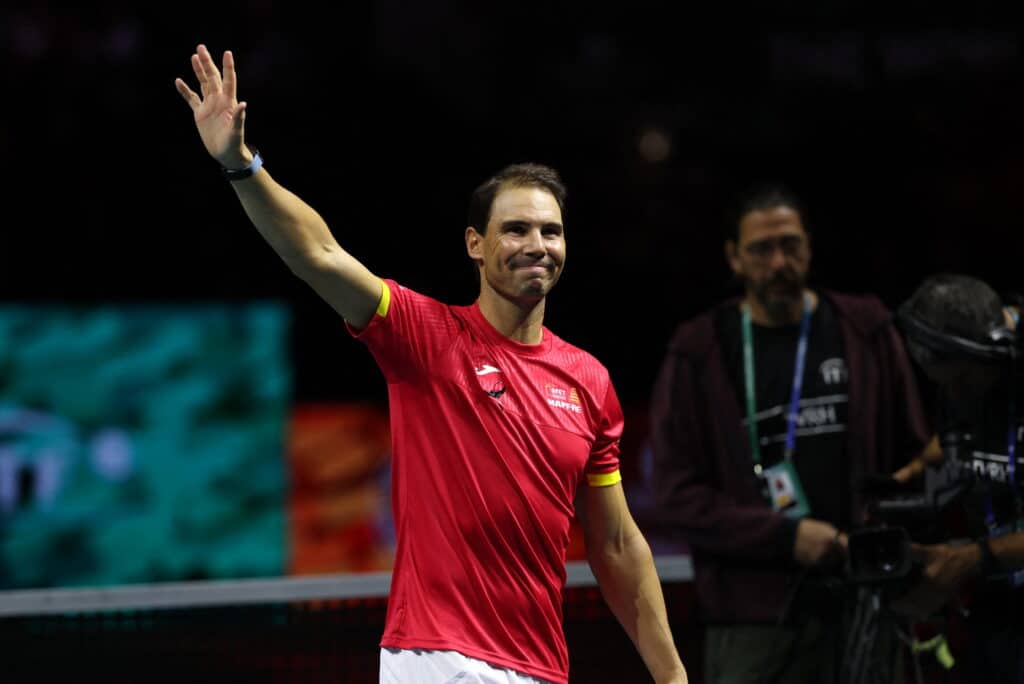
[760, 197]
[953, 304]
[527, 175]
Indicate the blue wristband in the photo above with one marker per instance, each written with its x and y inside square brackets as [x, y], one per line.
[239, 174]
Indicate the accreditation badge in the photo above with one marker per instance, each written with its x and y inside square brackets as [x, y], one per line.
[784, 490]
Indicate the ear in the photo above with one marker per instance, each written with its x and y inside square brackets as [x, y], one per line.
[732, 256]
[474, 244]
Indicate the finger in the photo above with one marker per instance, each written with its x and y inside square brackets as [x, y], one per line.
[903, 475]
[209, 68]
[230, 86]
[186, 92]
[197, 68]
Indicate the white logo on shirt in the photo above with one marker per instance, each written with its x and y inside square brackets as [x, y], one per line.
[993, 467]
[566, 399]
[833, 371]
[490, 377]
[565, 405]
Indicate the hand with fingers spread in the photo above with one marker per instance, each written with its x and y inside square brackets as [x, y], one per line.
[219, 116]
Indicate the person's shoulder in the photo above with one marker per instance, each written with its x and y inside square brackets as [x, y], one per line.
[559, 347]
[696, 335]
[398, 290]
[416, 299]
[866, 312]
[576, 360]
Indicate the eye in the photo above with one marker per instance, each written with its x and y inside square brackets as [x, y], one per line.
[791, 244]
[762, 248]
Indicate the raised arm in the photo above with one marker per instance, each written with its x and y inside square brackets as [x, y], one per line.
[294, 230]
[624, 568]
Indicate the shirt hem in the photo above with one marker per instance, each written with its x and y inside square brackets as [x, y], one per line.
[553, 676]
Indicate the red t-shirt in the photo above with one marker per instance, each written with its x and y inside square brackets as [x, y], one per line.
[491, 439]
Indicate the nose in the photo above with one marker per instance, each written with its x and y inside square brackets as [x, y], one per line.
[533, 244]
[777, 259]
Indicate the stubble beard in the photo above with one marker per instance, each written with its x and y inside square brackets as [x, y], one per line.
[779, 303]
[536, 289]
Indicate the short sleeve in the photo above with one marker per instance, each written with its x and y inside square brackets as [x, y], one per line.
[407, 331]
[603, 465]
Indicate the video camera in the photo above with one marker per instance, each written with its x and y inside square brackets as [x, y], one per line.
[899, 514]
[880, 564]
[881, 553]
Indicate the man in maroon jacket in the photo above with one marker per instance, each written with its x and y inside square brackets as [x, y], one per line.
[768, 410]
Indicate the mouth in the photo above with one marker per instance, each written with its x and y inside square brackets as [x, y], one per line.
[532, 268]
[783, 285]
[781, 288]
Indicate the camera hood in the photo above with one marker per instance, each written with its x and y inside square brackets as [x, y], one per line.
[1001, 346]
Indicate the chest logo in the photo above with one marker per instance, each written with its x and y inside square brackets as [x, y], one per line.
[490, 378]
[833, 371]
[561, 398]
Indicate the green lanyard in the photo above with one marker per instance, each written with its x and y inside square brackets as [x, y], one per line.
[798, 376]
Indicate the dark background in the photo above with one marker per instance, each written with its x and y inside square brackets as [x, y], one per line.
[899, 123]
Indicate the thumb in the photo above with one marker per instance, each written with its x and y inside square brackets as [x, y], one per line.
[238, 117]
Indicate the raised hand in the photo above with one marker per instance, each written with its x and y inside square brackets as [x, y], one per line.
[220, 117]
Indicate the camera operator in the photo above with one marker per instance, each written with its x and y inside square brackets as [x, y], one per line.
[964, 339]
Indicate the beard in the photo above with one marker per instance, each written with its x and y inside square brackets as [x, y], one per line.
[780, 295]
[536, 287]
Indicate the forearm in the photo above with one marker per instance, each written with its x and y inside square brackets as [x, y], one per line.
[302, 239]
[292, 228]
[1008, 550]
[629, 582]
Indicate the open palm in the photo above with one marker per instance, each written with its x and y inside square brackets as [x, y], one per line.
[219, 116]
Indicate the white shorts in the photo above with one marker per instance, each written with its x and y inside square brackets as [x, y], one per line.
[415, 666]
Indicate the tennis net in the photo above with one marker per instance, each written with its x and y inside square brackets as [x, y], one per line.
[297, 629]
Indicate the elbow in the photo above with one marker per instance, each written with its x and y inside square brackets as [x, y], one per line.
[613, 551]
[602, 552]
[313, 263]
